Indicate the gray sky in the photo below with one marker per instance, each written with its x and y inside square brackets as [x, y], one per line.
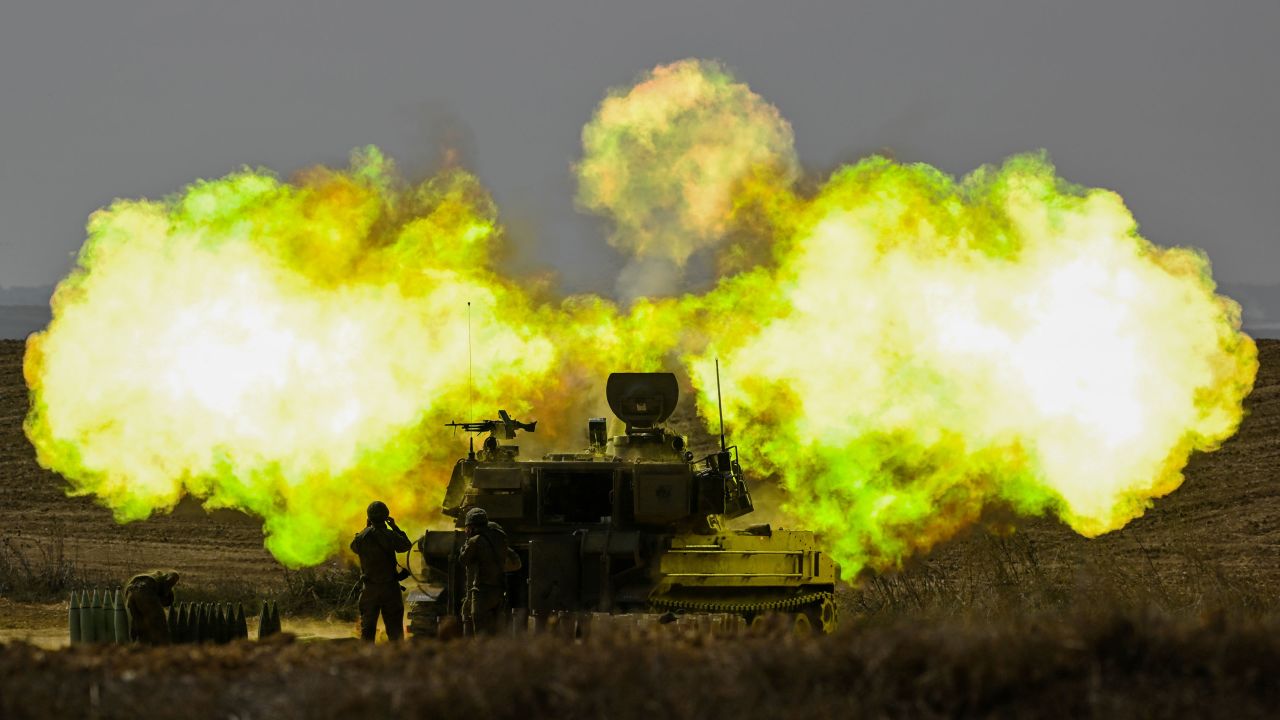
[1173, 104]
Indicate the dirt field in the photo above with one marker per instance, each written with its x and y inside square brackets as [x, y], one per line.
[1019, 617]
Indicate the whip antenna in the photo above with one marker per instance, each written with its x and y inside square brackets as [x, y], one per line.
[471, 401]
[719, 405]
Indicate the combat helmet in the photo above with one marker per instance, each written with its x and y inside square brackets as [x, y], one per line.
[477, 517]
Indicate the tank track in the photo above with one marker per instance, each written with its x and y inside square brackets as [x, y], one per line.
[729, 606]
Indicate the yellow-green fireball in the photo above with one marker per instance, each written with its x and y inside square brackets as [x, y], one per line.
[902, 349]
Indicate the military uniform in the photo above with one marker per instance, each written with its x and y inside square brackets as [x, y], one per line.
[483, 556]
[377, 546]
[145, 598]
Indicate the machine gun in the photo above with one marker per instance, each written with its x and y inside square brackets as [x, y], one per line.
[504, 428]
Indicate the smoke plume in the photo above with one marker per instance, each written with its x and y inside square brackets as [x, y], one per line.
[663, 159]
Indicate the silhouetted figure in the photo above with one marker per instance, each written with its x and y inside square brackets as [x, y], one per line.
[145, 598]
[377, 546]
[486, 557]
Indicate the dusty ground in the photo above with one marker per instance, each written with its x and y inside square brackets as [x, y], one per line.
[41, 624]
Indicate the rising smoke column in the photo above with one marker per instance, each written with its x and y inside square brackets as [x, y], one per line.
[663, 160]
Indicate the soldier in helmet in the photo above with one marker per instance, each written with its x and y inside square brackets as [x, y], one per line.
[377, 546]
[145, 598]
[486, 557]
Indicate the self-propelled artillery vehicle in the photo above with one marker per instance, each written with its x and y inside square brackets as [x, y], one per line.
[632, 523]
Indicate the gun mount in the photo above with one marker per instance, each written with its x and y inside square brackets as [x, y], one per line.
[501, 429]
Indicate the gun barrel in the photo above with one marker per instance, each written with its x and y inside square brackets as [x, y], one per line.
[474, 426]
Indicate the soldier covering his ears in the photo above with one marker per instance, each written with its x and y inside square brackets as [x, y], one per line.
[377, 546]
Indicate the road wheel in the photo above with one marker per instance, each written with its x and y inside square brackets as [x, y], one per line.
[820, 617]
[802, 625]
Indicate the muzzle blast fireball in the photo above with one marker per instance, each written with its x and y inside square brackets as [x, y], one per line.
[903, 348]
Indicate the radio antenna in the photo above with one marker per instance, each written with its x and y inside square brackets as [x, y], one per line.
[719, 405]
[471, 400]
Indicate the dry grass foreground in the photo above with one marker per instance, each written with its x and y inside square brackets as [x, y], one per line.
[1111, 666]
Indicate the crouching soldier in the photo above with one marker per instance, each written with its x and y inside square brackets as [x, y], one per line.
[487, 558]
[377, 546]
[145, 598]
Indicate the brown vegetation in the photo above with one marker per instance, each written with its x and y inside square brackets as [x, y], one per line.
[1026, 666]
[39, 569]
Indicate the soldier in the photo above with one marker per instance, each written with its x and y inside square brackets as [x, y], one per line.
[145, 598]
[377, 546]
[486, 557]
